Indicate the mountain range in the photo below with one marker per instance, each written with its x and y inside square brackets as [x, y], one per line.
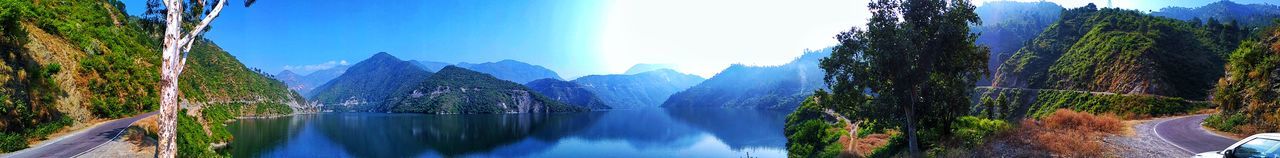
[367, 84]
[643, 90]
[456, 90]
[1225, 12]
[511, 70]
[758, 87]
[303, 84]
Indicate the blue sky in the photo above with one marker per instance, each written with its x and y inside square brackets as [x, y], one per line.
[571, 37]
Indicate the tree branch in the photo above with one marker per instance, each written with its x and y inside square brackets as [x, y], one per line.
[204, 23]
[189, 39]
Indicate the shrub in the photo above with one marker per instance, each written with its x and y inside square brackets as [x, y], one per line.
[1069, 133]
[974, 130]
[809, 134]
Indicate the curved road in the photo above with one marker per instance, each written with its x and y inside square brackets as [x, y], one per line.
[79, 142]
[1187, 134]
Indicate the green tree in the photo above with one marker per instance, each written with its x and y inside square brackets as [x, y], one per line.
[916, 58]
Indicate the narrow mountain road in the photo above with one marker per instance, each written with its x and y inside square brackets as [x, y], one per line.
[79, 142]
[1187, 134]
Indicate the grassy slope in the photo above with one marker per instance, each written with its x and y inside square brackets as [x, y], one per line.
[1248, 96]
[1122, 51]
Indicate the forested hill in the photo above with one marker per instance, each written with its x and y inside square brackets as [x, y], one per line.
[758, 87]
[567, 92]
[366, 84]
[74, 61]
[1008, 25]
[643, 90]
[213, 75]
[456, 90]
[1225, 12]
[1121, 51]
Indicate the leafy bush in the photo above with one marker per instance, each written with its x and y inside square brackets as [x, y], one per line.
[974, 130]
[1225, 122]
[809, 135]
[192, 141]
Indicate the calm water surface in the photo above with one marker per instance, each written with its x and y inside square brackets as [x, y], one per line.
[618, 133]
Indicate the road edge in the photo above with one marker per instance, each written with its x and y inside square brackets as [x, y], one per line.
[1158, 135]
[113, 138]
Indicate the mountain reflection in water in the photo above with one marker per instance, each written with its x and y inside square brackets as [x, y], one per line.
[618, 133]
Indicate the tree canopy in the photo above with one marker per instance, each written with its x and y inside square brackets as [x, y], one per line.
[915, 58]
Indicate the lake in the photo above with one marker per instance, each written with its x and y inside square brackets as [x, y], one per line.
[618, 133]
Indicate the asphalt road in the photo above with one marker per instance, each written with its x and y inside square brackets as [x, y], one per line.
[79, 142]
[1187, 133]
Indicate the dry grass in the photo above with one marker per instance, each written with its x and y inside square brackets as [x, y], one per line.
[148, 124]
[1067, 133]
[864, 146]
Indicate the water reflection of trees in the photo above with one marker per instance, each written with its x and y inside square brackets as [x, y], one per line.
[263, 135]
[409, 135]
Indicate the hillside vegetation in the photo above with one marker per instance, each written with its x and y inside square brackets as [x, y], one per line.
[1009, 25]
[1227, 12]
[1120, 51]
[1248, 96]
[368, 83]
[1012, 104]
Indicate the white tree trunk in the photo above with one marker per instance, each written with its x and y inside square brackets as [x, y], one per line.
[173, 61]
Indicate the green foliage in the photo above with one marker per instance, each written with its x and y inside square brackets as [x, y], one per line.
[192, 141]
[809, 134]
[1249, 93]
[891, 149]
[913, 68]
[1125, 105]
[27, 96]
[17, 140]
[213, 74]
[974, 130]
[1009, 25]
[1018, 104]
[1225, 122]
[1123, 51]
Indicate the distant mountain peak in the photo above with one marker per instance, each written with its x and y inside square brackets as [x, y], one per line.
[646, 67]
[455, 69]
[286, 73]
[512, 70]
[383, 55]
